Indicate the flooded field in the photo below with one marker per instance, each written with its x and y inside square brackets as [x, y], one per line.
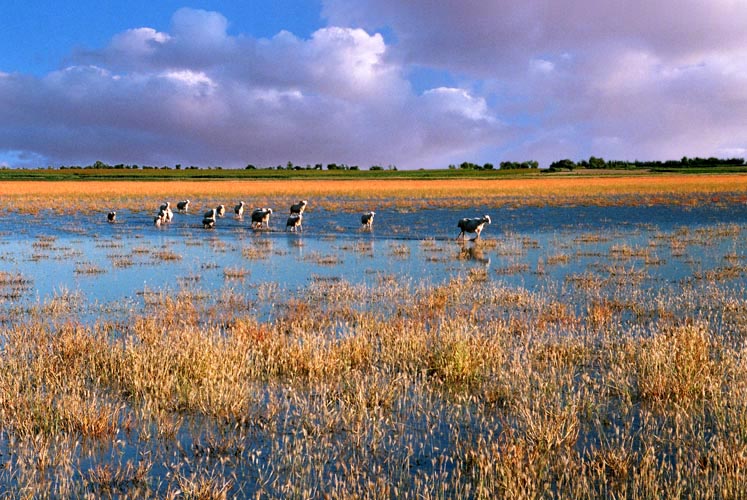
[529, 247]
[575, 350]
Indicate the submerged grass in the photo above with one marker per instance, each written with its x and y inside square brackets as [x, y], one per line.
[466, 389]
[596, 385]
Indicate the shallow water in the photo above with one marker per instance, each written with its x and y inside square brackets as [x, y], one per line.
[528, 247]
[552, 250]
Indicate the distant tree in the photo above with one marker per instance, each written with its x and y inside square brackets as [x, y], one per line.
[376, 167]
[488, 166]
[515, 165]
[595, 162]
[469, 166]
[250, 167]
[561, 164]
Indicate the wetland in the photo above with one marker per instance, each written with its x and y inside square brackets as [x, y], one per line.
[591, 343]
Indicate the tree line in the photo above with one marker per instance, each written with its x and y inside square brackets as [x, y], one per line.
[504, 165]
[600, 163]
[593, 162]
[288, 166]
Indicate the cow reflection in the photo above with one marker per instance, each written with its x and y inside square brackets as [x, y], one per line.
[473, 252]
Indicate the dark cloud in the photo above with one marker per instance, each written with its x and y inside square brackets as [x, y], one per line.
[634, 79]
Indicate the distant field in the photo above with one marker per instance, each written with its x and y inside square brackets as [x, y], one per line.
[153, 174]
[591, 344]
[640, 189]
[162, 174]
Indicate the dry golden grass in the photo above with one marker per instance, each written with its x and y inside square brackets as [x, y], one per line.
[599, 385]
[465, 389]
[70, 195]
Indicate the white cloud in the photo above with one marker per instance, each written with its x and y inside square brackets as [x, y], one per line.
[139, 41]
[354, 57]
[459, 102]
[196, 95]
[541, 66]
[533, 79]
[191, 78]
[662, 78]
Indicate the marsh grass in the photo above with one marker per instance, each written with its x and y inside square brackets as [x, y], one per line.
[88, 268]
[121, 260]
[468, 388]
[235, 273]
[604, 383]
[13, 285]
[323, 259]
[166, 255]
[558, 259]
[400, 250]
[258, 249]
[521, 267]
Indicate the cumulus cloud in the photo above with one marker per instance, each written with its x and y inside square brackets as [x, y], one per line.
[476, 36]
[534, 80]
[634, 79]
[197, 95]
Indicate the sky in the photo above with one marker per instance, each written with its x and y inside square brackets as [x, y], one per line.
[411, 83]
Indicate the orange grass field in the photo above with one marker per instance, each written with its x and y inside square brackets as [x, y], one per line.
[548, 190]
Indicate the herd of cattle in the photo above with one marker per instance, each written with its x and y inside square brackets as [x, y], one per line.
[261, 217]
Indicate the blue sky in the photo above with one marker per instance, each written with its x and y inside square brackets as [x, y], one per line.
[39, 35]
[407, 82]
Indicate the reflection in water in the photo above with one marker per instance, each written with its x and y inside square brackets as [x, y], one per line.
[52, 254]
[296, 245]
[473, 251]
